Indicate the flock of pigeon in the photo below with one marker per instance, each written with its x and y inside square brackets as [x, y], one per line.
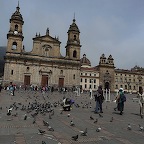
[36, 107]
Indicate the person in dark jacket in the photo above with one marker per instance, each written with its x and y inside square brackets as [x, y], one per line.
[99, 100]
[0, 87]
[120, 101]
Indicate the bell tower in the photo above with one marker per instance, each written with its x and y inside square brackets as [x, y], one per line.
[15, 34]
[73, 43]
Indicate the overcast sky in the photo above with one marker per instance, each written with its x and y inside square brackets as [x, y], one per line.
[113, 27]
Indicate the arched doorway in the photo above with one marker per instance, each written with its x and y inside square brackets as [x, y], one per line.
[107, 86]
[140, 88]
[44, 80]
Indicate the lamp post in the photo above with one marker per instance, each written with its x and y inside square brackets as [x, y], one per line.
[128, 86]
[92, 83]
[137, 84]
[91, 90]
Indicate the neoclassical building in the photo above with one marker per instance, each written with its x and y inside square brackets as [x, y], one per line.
[89, 76]
[109, 77]
[102, 74]
[44, 65]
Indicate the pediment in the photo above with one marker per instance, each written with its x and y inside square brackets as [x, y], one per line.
[47, 38]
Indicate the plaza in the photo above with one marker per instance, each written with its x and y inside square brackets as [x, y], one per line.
[16, 130]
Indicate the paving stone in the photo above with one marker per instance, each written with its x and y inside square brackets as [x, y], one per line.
[19, 131]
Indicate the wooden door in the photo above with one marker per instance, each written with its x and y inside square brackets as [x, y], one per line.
[44, 80]
[61, 82]
[26, 80]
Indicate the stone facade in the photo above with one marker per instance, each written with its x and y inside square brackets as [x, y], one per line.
[44, 65]
[109, 77]
[107, 70]
[89, 76]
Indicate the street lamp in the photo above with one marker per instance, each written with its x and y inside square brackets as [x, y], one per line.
[128, 86]
[91, 89]
[92, 83]
[137, 84]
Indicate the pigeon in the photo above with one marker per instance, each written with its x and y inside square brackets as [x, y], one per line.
[84, 133]
[111, 119]
[10, 109]
[91, 118]
[72, 123]
[68, 115]
[141, 128]
[45, 123]
[43, 142]
[96, 121]
[129, 127]
[98, 129]
[33, 115]
[100, 115]
[19, 103]
[50, 128]
[9, 112]
[25, 117]
[41, 131]
[75, 137]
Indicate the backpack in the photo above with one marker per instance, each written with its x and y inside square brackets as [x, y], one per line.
[123, 98]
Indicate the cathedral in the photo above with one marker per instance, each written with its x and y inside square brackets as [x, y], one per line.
[44, 65]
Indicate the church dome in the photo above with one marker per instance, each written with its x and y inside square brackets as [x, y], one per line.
[74, 27]
[17, 15]
[85, 61]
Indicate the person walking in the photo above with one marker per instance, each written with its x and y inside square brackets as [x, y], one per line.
[90, 93]
[99, 100]
[0, 87]
[120, 101]
[12, 89]
[141, 102]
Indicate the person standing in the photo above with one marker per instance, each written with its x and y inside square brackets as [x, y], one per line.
[141, 102]
[99, 100]
[0, 87]
[120, 101]
[90, 93]
[12, 89]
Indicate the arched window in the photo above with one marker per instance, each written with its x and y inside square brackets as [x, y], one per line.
[14, 45]
[130, 87]
[11, 72]
[61, 72]
[16, 27]
[134, 88]
[74, 54]
[74, 76]
[74, 37]
[28, 68]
